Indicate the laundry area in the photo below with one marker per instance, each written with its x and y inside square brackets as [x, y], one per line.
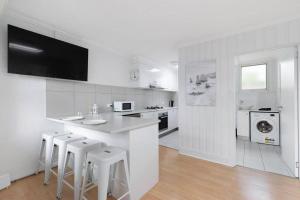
[267, 111]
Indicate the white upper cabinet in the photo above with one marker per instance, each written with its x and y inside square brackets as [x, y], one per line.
[147, 73]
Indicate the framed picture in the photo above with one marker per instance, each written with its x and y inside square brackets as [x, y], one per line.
[201, 83]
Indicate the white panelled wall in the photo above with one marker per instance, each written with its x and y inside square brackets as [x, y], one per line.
[209, 132]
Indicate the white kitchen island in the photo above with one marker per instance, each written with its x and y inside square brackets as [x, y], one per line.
[138, 136]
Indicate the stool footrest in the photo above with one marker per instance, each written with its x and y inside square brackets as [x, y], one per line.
[53, 172]
[69, 174]
[124, 195]
[64, 181]
[68, 184]
[90, 187]
[122, 182]
[89, 184]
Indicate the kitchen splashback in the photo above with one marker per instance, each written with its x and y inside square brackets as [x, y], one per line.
[68, 98]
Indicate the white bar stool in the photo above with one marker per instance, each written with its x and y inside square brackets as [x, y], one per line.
[79, 149]
[104, 158]
[47, 151]
[61, 142]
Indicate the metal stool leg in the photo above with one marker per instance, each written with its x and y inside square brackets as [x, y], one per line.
[61, 170]
[103, 181]
[85, 179]
[53, 155]
[48, 161]
[112, 178]
[41, 156]
[127, 174]
[77, 175]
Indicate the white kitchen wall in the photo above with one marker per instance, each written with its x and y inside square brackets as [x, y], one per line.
[166, 77]
[23, 113]
[68, 98]
[2, 4]
[106, 66]
[23, 98]
[209, 132]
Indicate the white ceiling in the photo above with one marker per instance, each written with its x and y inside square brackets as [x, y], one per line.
[155, 28]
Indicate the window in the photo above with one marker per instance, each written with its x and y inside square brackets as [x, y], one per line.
[254, 77]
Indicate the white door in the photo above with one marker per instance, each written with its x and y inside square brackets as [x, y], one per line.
[288, 96]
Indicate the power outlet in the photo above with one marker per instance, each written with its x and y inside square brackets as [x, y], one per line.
[109, 105]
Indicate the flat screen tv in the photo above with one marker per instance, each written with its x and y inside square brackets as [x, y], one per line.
[30, 53]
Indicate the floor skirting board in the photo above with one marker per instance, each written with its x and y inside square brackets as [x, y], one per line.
[168, 132]
[208, 157]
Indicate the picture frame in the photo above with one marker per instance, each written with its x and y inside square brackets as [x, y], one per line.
[200, 82]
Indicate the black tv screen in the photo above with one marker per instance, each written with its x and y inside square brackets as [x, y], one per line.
[30, 53]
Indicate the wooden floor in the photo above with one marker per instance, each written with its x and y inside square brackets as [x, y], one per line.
[183, 178]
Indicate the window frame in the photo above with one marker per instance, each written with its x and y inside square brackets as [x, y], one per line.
[251, 65]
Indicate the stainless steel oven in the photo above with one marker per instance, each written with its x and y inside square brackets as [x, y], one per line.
[163, 124]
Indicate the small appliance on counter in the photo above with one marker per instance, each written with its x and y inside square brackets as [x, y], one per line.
[171, 103]
[95, 110]
[121, 106]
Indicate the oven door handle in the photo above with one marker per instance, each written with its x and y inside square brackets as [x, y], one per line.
[162, 117]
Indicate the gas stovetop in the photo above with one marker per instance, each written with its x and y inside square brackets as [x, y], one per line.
[154, 107]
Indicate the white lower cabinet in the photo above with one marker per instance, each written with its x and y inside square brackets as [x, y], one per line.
[172, 119]
[149, 115]
[243, 123]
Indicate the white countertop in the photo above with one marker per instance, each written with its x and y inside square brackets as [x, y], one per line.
[145, 110]
[116, 123]
[256, 110]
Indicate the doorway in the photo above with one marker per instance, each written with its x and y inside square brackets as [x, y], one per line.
[267, 111]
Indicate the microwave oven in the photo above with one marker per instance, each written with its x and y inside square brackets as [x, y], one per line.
[120, 106]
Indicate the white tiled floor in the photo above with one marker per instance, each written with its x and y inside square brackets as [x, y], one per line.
[261, 156]
[171, 140]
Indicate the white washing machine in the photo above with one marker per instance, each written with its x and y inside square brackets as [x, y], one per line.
[265, 127]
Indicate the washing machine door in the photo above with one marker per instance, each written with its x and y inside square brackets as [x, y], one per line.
[264, 126]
